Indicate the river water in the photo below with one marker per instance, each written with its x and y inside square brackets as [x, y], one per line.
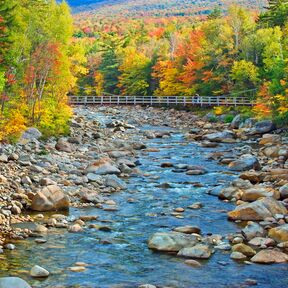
[127, 261]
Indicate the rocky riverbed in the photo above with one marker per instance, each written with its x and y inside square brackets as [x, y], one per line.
[93, 209]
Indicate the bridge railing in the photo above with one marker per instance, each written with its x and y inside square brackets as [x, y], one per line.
[161, 100]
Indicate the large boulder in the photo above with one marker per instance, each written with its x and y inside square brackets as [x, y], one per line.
[224, 136]
[13, 282]
[280, 234]
[102, 166]
[263, 127]
[270, 256]
[258, 210]
[257, 192]
[245, 162]
[50, 198]
[171, 241]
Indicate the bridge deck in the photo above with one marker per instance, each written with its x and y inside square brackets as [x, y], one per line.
[161, 100]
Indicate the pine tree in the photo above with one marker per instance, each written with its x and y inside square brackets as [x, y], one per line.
[276, 14]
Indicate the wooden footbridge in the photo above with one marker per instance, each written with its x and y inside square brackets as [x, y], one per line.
[225, 100]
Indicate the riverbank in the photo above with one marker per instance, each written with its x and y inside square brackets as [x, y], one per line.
[103, 155]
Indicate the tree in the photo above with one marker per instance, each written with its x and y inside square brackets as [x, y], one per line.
[245, 74]
[276, 14]
[135, 73]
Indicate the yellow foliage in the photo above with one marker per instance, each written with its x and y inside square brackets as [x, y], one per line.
[219, 110]
[12, 127]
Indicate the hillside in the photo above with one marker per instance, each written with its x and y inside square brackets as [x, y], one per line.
[158, 7]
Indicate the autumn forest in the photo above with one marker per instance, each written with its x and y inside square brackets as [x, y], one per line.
[46, 53]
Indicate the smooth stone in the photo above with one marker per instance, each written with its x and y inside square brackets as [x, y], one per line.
[199, 251]
[13, 282]
[39, 272]
[270, 256]
[171, 241]
[237, 256]
[244, 249]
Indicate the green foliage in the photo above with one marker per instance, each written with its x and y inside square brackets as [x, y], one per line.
[2, 81]
[41, 64]
[229, 118]
[245, 74]
[276, 14]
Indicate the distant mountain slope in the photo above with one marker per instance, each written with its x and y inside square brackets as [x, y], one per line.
[157, 7]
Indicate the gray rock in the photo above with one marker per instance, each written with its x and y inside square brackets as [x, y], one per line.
[3, 158]
[263, 127]
[198, 251]
[102, 168]
[91, 196]
[39, 272]
[245, 162]
[13, 282]
[284, 191]
[94, 178]
[10, 246]
[31, 134]
[171, 241]
[114, 182]
[224, 136]
[236, 122]
[253, 230]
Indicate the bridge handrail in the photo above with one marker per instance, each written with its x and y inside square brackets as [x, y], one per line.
[167, 100]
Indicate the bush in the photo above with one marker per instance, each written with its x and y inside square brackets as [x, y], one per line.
[228, 118]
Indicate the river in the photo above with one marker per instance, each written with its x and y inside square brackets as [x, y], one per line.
[120, 257]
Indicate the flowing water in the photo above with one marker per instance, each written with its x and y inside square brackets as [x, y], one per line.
[127, 260]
